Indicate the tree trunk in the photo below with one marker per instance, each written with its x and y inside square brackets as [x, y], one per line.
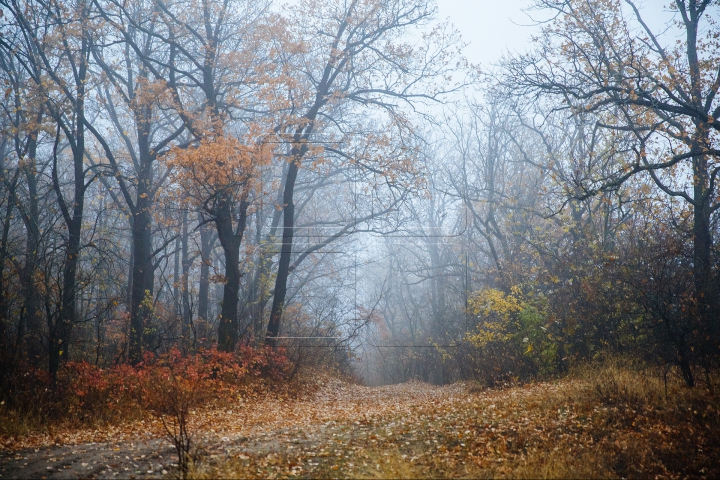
[61, 331]
[686, 370]
[177, 279]
[702, 247]
[4, 254]
[206, 244]
[60, 334]
[228, 324]
[278, 304]
[142, 275]
[185, 283]
[230, 242]
[259, 291]
[31, 309]
[702, 230]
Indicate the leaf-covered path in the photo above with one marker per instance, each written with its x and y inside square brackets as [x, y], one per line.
[407, 430]
[260, 426]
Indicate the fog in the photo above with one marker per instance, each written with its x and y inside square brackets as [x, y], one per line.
[339, 181]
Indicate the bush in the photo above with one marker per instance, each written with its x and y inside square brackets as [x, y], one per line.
[87, 394]
[511, 339]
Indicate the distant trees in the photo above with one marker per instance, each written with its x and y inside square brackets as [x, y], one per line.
[588, 173]
[351, 65]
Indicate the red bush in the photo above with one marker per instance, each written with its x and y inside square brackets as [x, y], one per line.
[86, 392]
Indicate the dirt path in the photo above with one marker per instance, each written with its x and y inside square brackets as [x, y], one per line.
[413, 430]
[338, 414]
[149, 458]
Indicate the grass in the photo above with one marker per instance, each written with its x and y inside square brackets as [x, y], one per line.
[601, 422]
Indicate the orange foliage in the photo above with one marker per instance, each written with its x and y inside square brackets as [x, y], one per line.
[217, 164]
[87, 392]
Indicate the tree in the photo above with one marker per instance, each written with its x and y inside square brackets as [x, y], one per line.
[53, 50]
[219, 176]
[210, 62]
[343, 60]
[604, 61]
[136, 102]
[23, 115]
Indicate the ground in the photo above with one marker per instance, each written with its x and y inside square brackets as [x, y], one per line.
[413, 429]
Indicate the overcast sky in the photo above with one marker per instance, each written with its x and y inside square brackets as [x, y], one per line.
[491, 26]
[495, 26]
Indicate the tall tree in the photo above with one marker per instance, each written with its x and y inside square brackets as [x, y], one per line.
[24, 114]
[212, 60]
[345, 59]
[136, 102]
[602, 59]
[219, 176]
[54, 53]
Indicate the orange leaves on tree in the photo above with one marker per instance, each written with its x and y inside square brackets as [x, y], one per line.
[217, 163]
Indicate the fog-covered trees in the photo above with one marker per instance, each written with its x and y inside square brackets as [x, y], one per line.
[183, 114]
[334, 178]
[651, 108]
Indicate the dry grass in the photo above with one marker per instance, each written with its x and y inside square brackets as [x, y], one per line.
[610, 421]
[15, 423]
[614, 420]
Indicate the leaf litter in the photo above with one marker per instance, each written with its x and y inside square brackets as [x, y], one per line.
[336, 429]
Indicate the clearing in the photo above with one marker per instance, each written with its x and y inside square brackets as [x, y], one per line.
[564, 428]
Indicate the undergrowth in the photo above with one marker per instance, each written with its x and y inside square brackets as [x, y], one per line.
[84, 395]
[615, 419]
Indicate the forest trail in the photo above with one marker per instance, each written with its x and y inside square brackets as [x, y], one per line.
[263, 425]
[343, 430]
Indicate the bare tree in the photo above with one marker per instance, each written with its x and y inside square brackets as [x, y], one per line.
[344, 69]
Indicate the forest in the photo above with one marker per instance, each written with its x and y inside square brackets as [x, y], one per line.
[314, 240]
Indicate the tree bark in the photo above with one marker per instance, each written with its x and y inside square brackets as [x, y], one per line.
[185, 282]
[278, 304]
[61, 331]
[4, 255]
[206, 244]
[31, 315]
[142, 276]
[230, 241]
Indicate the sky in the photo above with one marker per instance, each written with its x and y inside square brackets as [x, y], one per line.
[495, 26]
[492, 27]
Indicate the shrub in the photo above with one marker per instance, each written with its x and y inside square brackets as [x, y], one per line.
[89, 394]
[510, 339]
